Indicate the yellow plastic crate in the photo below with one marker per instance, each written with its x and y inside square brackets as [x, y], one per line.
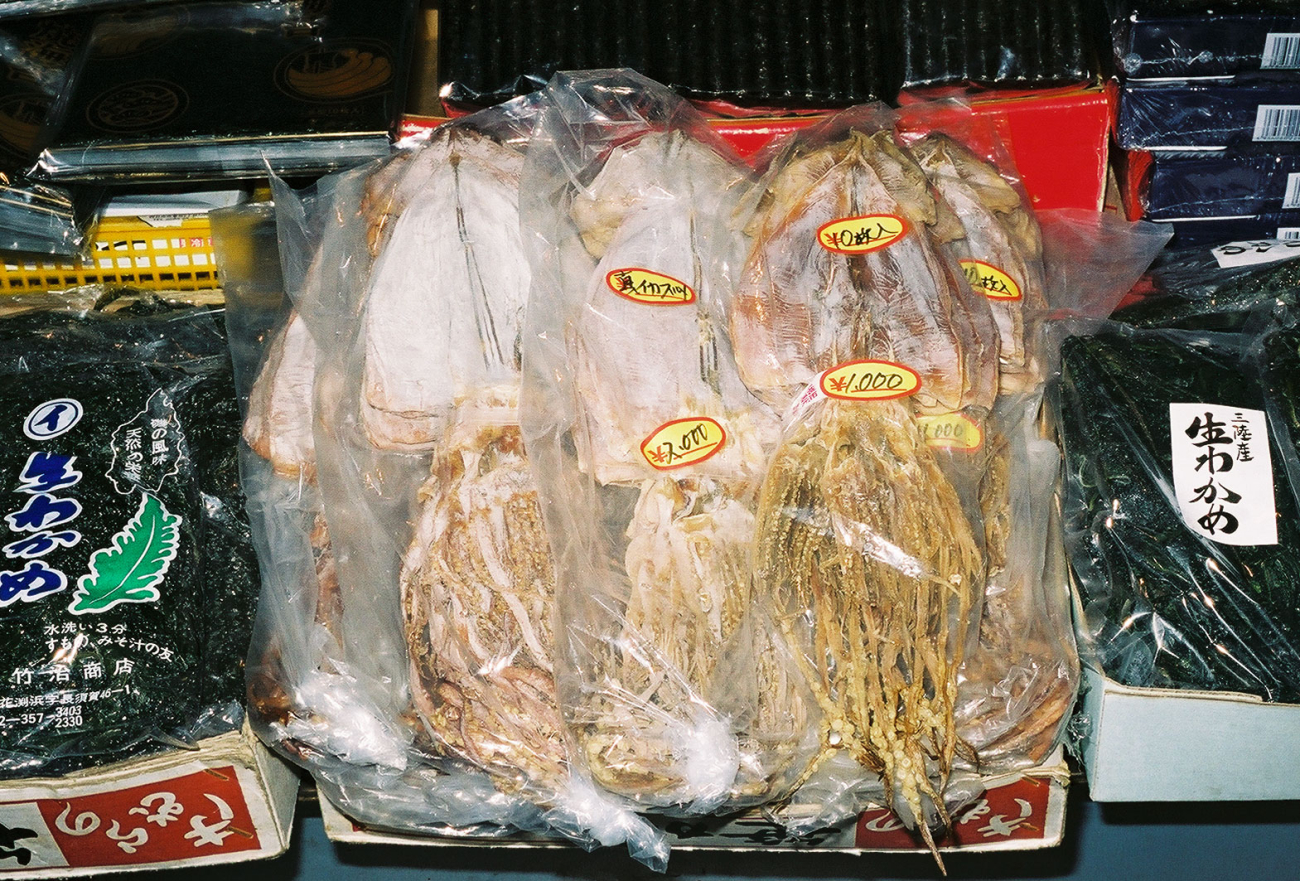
[127, 251]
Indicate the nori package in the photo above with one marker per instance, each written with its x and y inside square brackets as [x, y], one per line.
[1191, 232]
[1180, 507]
[127, 576]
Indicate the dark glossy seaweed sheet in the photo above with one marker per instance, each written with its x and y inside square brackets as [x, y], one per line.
[1167, 607]
[111, 680]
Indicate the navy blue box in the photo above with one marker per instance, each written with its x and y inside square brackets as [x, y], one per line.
[1194, 232]
[1222, 184]
[1163, 39]
[1258, 110]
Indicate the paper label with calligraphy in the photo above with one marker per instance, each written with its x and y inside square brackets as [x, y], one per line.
[188, 817]
[952, 431]
[683, 442]
[1223, 473]
[1016, 812]
[861, 235]
[649, 288]
[990, 281]
[1255, 253]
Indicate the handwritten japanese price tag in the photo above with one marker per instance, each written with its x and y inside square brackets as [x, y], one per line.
[191, 816]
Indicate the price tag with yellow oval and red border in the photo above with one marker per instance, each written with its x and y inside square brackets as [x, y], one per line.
[861, 235]
[649, 288]
[683, 442]
[861, 380]
[990, 281]
[952, 431]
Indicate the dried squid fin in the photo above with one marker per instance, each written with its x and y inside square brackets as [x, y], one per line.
[279, 423]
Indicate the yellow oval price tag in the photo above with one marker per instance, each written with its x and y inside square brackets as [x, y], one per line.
[683, 442]
[870, 381]
[861, 235]
[990, 281]
[650, 288]
[952, 431]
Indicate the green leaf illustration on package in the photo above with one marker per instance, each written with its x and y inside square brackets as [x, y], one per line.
[130, 570]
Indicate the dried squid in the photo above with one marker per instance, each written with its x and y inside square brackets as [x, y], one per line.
[846, 264]
[870, 571]
[477, 592]
[278, 426]
[1000, 249]
[658, 450]
[448, 289]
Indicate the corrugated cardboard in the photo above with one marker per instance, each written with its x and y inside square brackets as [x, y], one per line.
[1018, 812]
[1149, 744]
[229, 801]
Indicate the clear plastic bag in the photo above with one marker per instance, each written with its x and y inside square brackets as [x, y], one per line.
[1179, 506]
[406, 654]
[128, 574]
[647, 446]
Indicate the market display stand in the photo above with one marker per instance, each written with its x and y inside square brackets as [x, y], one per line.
[1151, 842]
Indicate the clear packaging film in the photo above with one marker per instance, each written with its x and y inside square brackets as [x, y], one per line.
[573, 553]
[1260, 109]
[34, 217]
[1195, 231]
[176, 81]
[1222, 184]
[128, 578]
[1180, 463]
[404, 651]
[1201, 38]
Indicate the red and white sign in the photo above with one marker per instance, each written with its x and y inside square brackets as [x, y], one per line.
[170, 820]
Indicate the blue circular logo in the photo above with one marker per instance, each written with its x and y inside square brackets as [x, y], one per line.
[52, 418]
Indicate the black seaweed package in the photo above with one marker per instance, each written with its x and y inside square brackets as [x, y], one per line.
[1180, 511]
[127, 580]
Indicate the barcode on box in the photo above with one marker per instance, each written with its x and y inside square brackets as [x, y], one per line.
[1292, 199]
[1277, 122]
[1281, 52]
[1289, 233]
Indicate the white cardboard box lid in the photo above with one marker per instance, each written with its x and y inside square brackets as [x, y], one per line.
[1148, 744]
[229, 801]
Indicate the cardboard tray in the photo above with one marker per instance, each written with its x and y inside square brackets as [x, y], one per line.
[1017, 812]
[1151, 744]
[229, 801]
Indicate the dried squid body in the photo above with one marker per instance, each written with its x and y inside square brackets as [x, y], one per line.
[650, 342]
[846, 263]
[446, 296]
[1000, 249]
[477, 593]
[867, 571]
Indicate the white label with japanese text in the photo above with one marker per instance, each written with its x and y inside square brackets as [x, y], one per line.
[1255, 253]
[1223, 473]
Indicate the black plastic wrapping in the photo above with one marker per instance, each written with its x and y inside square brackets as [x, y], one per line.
[1197, 38]
[1262, 109]
[128, 579]
[1016, 43]
[764, 51]
[1223, 184]
[222, 90]
[34, 58]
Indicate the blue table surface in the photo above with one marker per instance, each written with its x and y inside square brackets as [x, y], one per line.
[1182, 842]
